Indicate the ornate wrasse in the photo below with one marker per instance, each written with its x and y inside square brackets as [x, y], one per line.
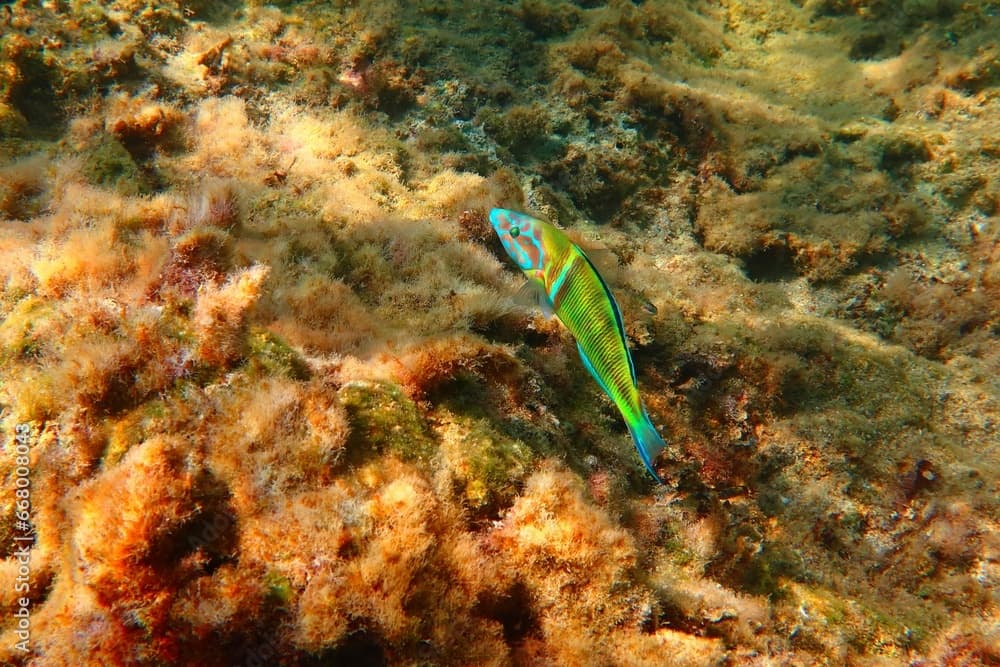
[569, 286]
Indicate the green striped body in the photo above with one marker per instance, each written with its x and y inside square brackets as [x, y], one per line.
[576, 293]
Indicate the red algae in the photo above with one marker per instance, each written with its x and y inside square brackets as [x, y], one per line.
[267, 395]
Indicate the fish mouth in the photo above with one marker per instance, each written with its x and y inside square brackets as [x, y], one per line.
[500, 219]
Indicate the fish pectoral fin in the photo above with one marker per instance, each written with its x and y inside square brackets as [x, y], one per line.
[532, 294]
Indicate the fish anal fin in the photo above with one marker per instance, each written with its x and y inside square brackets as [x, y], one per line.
[590, 369]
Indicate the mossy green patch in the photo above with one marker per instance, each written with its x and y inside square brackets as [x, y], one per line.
[133, 428]
[485, 464]
[676, 547]
[17, 340]
[522, 129]
[858, 621]
[107, 163]
[279, 588]
[767, 570]
[442, 139]
[270, 354]
[383, 418]
[546, 19]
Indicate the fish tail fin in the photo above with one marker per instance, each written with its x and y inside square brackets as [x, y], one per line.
[648, 442]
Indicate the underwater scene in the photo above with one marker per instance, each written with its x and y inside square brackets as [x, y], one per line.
[536, 332]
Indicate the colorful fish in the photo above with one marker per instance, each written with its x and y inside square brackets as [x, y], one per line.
[567, 284]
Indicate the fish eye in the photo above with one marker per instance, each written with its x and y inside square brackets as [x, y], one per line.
[515, 232]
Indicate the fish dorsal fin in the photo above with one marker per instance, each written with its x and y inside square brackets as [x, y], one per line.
[532, 294]
[606, 263]
[603, 259]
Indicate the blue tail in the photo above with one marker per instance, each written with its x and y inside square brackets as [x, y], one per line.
[648, 442]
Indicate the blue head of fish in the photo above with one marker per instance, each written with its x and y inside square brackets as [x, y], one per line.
[520, 235]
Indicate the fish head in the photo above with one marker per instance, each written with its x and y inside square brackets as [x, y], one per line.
[521, 236]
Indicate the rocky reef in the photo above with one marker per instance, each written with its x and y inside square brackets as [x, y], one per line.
[268, 398]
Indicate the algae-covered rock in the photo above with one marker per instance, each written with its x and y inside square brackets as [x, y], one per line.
[487, 466]
[383, 418]
[106, 162]
[273, 355]
[18, 331]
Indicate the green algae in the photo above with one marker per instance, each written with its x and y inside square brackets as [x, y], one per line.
[766, 570]
[268, 353]
[487, 465]
[279, 587]
[107, 163]
[138, 424]
[384, 419]
[17, 331]
[675, 546]
[862, 624]
[521, 129]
